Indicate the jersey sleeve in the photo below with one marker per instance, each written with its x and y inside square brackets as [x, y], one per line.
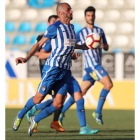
[103, 36]
[51, 32]
[47, 46]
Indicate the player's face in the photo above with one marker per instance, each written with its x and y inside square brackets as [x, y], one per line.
[90, 17]
[53, 20]
[67, 12]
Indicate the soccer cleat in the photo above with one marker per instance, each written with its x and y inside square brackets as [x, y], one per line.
[60, 119]
[98, 118]
[86, 130]
[30, 113]
[33, 125]
[55, 125]
[16, 123]
[35, 130]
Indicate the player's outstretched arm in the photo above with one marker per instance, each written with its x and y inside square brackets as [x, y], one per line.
[105, 46]
[75, 56]
[82, 47]
[35, 48]
[43, 54]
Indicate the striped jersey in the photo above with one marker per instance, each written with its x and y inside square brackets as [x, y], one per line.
[63, 39]
[92, 57]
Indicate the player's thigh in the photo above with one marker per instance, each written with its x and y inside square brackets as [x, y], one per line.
[106, 81]
[87, 82]
[74, 89]
[58, 100]
[61, 86]
[38, 97]
[77, 96]
[73, 86]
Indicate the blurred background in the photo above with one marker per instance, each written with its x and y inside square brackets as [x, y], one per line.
[26, 19]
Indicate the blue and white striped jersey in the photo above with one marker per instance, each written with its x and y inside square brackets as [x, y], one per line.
[63, 40]
[92, 57]
[47, 46]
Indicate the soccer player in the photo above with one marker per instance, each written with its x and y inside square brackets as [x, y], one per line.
[56, 72]
[92, 66]
[42, 53]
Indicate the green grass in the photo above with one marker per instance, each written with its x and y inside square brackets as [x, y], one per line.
[118, 125]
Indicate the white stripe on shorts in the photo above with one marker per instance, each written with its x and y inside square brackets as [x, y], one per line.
[43, 79]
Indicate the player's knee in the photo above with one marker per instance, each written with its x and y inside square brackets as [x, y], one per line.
[83, 93]
[108, 86]
[37, 100]
[58, 105]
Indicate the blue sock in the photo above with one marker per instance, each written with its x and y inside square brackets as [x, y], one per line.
[26, 108]
[44, 104]
[45, 113]
[67, 104]
[81, 112]
[101, 101]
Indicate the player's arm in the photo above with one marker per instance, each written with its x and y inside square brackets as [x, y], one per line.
[82, 47]
[105, 46]
[43, 54]
[34, 49]
[75, 56]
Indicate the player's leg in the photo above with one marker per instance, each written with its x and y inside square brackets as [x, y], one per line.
[84, 128]
[55, 124]
[75, 90]
[60, 86]
[103, 78]
[43, 88]
[87, 82]
[30, 103]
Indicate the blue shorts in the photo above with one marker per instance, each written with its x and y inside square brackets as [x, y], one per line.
[73, 86]
[95, 75]
[54, 78]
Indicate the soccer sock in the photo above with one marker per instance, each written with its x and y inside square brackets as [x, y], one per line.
[81, 112]
[57, 113]
[45, 113]
[101, 101]
[26, 108]
[68, 104]
[44, 104]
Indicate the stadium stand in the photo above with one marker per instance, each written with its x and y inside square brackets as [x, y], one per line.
[41, 3]
[99, 15]
[118, 50]
[33, 39]
[29, 14]
[19, 40]
[41, 27]
[9, 26]
[7, 39]
[25, 27]
[13, 14]
[115, 17]
[77, 27]
[112, 15]
[120, 41]
[43, 14]
[101, 4]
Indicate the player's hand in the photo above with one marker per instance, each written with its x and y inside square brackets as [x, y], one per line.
[20, 60]
[102, 46]
[75, 56]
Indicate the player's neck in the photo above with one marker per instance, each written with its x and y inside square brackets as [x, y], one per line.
[90, 26]
[65, 21]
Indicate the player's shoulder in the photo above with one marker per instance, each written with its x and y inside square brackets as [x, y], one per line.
[54, 25]
[80, 31]
[98, 28]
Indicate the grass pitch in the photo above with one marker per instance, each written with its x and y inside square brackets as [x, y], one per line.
[118, 125]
